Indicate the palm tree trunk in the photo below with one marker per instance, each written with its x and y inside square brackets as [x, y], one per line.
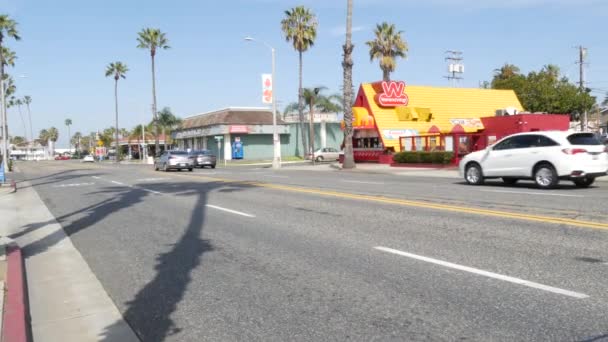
[22, 121]
[301, 108]
[154, 114]
[3, 114]
[116, 112]
[165, 138]
[29, 115]
[69, 140]
[347, 64]
[386, 75]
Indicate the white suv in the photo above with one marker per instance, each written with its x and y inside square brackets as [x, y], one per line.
[545, 157]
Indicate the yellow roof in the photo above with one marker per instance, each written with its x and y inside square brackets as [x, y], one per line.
[448, 106]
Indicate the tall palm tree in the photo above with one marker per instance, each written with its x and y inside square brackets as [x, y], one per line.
[8, 57]
[347, 65]
[386, 47]
[153, 39]
[117, 70]
[43, 139]
[300, 28]
[76, 141]
[68, 123]
[167, 122]
[8, 29]
[53, 136]
[27, 100]
[19, 103]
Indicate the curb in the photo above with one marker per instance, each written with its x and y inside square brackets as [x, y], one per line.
[14, 327]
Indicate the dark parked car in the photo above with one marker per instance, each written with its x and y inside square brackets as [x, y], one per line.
[202, 158]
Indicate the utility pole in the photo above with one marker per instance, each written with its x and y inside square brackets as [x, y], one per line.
[582, 53]
[455, 66]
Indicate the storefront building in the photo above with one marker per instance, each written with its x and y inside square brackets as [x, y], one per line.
[251, 127]
[386, 111]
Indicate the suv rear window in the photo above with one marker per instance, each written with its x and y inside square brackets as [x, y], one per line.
[584, 139]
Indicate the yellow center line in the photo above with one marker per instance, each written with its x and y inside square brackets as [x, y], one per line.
[416, 204]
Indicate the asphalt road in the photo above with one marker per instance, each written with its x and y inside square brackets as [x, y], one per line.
[246, 254]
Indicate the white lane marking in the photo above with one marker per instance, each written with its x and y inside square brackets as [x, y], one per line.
[71, 185]
[115, 182]
[530, 193]
[230, 210]
[276, 176]
[96, 177]
[513, 280]
[361, 182]
[150, 179]
[152, 191]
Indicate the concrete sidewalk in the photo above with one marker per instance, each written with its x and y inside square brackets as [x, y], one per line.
[66, 301]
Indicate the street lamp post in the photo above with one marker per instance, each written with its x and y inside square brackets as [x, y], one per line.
[276, 143]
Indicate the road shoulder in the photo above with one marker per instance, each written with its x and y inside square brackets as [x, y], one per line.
[66, 300]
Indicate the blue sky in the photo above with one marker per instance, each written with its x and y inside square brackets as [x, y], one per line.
[67, 44]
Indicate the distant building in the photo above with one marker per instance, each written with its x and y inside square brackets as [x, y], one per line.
[252, 127]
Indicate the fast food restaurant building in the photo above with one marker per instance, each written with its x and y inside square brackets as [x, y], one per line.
[386, 114]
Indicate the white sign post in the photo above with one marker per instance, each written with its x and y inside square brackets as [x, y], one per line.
[219, 139]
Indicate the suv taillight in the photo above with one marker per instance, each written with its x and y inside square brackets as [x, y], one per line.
[573, 151]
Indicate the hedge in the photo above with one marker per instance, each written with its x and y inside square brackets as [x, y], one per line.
[411, 157]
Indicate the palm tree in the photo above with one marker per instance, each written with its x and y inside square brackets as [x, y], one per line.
[8, 28]
[68, 123]
[300, 28]
[153, 39]
[43, 139]
[76, 141]
[8, 57]
[347, 65]
[506, 71]
[167, 122]
[27, 100]
[118, 71]
[53, 136]
[17, 140]
[19, 103]
[386, 47]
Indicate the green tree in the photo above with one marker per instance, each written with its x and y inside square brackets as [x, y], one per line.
[347, 65]
[117, 70]
[167, 122]
[153, 39]
[28, 100]
[300, 28]
[544, 90]
[605, 102]
[17, 140]
[76, 140]
[8, 29]
[386, 47]
[53, 136]
[68, 123]
[8, 57]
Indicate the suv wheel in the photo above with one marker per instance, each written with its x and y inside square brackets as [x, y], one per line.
[584, 182]
[473, 174]
[545, 176]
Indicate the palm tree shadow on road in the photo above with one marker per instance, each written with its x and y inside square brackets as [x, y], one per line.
[149, 312]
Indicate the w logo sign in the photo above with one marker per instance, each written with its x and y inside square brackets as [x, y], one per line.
[393, 94]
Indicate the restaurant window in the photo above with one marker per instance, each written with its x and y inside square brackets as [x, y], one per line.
[449, 143]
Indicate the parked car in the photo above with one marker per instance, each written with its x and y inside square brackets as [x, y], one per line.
[203, 158]
[325, 154]
[63, 157]
[545, 157]
[173, 160]
[88, 159]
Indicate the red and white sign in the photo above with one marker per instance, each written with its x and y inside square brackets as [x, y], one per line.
[239, 129]
[266, 88]
[393, 94]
